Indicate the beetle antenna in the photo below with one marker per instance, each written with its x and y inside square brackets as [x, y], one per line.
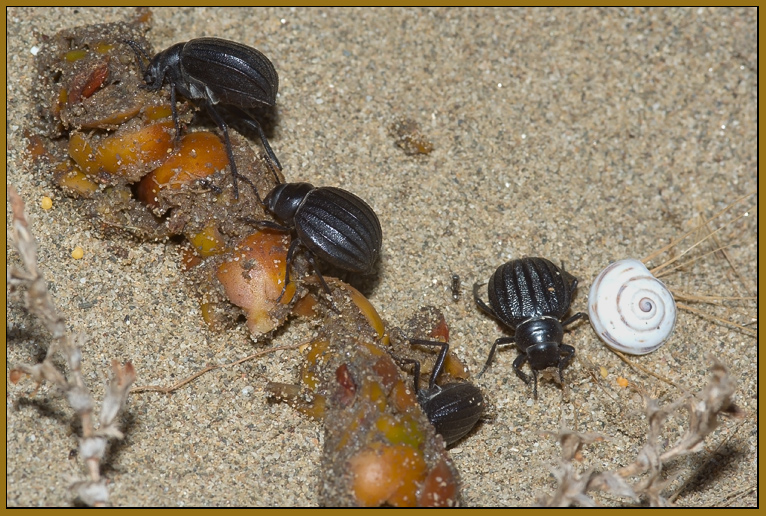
[252, 185]
[139, 52]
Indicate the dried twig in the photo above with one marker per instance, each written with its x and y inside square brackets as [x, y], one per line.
[92, 489]
[194, 376]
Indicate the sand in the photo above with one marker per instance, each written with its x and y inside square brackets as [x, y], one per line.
[583, 136]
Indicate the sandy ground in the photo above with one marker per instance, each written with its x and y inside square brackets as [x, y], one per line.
[583, 136]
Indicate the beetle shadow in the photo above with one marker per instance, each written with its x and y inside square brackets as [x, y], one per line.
[480, 423]
[265, 116]
[364, 283]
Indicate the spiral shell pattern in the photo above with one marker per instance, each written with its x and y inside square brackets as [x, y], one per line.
[630, 309]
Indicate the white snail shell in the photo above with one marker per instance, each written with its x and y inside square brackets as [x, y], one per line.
[630, 309]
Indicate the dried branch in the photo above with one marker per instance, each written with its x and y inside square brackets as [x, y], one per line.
[92, 490]
[703, 410]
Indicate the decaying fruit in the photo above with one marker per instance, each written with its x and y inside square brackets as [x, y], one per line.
[252, 277]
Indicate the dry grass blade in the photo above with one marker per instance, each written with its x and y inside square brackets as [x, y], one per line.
[733, 497]
[710, 299]
[655, 271]
[745, 329]
[639, 367]
[664, 269]
[687, 263]
[677, 240]
[748, 287]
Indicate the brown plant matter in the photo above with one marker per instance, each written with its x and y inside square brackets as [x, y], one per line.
[703, 410]
[91, 489]
[379, 447]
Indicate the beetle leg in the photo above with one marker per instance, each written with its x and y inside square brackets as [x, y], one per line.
[218, 119]
[174, 111]
[517, 364]
[570, 277]
[416, 369]
[568, 352]
[290, 252]
[139, 52]
[265, 224]
[499, 342]
[321, 278]
[480, 302]
[266, 144]
[534, 375]
[250, 120]
[252, 185]
[439, 364]
[578, 315]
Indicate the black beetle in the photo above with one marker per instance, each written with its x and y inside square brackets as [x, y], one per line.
[453, 408]
[334, 225]
[531, 295]
[216, 71]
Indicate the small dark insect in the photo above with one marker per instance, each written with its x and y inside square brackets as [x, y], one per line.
[216, 72]
[530, 296]
[455, 287]
[334, 225]
[73, 453]
[453, 408]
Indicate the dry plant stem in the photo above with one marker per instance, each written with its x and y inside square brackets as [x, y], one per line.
[682, 265]
[703, 410]
[677, 294]
[733, 497]
[93, 490]
[178, 385]
[662, 270]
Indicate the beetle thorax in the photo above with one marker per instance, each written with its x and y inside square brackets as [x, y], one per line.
[285, 200]
[539, 330]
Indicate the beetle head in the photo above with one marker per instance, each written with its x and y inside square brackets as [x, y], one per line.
[166, 62]
[544, 355]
